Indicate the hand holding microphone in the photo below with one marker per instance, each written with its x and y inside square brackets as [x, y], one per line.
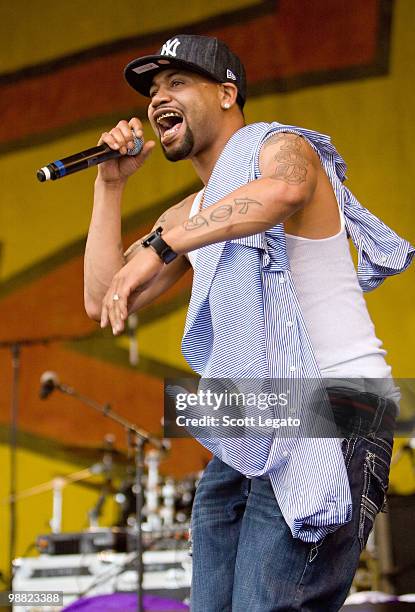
[120, 139]
[120, 153]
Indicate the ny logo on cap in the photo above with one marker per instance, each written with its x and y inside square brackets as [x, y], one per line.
[170, 47]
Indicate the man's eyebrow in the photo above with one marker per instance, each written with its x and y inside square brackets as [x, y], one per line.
[167, 75]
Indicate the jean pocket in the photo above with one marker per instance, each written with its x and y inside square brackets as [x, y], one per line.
[375, 484]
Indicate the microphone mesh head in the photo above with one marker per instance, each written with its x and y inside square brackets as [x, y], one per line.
[138, 145]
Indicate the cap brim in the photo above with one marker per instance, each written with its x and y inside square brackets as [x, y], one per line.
[140, 72]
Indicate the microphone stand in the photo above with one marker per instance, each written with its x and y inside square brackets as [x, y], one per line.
[137, 438]
[15, 347]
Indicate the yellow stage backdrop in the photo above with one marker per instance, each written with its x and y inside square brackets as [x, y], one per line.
[345, 68]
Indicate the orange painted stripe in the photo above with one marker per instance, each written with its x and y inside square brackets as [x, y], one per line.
[295, 40]
[52, 305]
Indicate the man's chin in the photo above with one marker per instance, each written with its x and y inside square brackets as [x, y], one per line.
[181, 150]
[174, 154]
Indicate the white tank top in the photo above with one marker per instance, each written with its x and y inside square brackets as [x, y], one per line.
[335, 312]
[337, 319]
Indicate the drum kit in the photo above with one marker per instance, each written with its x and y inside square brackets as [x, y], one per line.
[167, 504]
[167, 501]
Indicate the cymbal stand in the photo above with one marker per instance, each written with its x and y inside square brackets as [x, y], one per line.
[137, 438]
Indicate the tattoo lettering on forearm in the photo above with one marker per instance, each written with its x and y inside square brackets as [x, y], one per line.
[244, 204]
[195, 222]
[222, 213]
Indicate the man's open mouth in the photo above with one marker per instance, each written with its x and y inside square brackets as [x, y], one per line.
[169, 124]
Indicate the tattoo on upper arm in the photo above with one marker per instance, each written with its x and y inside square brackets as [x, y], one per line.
[220, 214]
[291, 162]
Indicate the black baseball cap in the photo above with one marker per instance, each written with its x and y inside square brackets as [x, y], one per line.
[202, 54]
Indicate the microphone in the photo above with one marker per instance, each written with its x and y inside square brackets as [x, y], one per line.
[84, 159]
[48, 382]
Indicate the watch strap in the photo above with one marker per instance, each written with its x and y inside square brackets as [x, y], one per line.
[156, 242]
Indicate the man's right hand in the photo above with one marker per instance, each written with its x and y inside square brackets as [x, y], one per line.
[121, 138]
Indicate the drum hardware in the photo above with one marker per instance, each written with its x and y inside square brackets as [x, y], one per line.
[57, 485]
[151, 492]
[57, 509]
[167, 505]
[111, 539]
[167, 511]
[96, 511]
[137, 439]
[186, 489]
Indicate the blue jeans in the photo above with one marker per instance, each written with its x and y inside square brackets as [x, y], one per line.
[244, 556]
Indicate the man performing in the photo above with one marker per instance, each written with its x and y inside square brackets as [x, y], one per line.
[278, 524]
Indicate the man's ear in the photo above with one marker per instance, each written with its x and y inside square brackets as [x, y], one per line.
[228, 95]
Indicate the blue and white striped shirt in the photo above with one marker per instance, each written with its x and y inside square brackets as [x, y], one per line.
[243, 294]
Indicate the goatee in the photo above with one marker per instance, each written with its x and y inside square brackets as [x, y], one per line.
[184, 150]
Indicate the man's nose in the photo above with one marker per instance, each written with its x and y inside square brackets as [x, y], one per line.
[160, 97]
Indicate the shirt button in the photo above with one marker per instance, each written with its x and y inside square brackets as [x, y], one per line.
[285, 453]
[383, 258]
[292, 368]
[281, 280]
[289, 323]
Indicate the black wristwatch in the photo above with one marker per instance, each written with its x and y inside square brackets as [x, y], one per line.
[156, 242]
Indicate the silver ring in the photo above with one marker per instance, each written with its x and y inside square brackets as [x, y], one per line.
[115, 297]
